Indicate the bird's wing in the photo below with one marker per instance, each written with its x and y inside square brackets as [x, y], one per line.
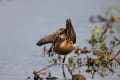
[69, 31]
[51, 38]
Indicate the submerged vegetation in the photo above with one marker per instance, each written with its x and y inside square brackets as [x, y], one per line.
[105, 51]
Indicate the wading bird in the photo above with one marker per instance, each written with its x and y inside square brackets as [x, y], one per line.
[63, 40]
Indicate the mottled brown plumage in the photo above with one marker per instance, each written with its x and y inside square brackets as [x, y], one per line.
[63, 40]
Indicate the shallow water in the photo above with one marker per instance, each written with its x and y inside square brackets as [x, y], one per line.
[24, 22]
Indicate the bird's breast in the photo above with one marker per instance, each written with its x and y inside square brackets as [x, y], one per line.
[63, 47]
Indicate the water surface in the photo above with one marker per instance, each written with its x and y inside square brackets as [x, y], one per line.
[24, 22]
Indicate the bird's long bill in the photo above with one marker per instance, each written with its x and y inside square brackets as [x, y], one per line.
[45, 40]
[51, 38]
[40, 42]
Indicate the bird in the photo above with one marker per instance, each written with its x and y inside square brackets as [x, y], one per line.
[63, 40]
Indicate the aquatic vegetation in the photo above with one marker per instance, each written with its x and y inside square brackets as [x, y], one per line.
[105, 56]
